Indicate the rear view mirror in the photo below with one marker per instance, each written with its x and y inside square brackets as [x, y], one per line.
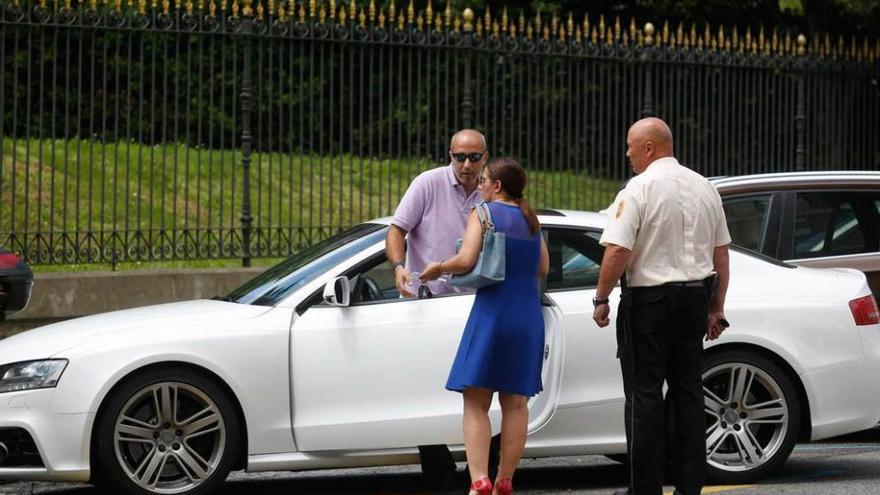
[337, 292]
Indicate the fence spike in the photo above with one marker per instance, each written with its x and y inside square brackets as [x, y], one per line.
[457, 24]
[429, 14]
[569, 25]
[601, 26]
[633, 28]
[707, 35]
[538, 22]
[479, 30]
[664, 33]
[522, 22]
[410, 12]
[496, 29]
[625, 39]
[448, 14]
[189, 6]
[594, 36]
[554, 23]
[401, 21]
[505, 20]
[512, 31]
[382, 18]
[841, 51]
[438, 23]
[679, 34]
[587, 24]
[391, 12]
[617, 28]
[487, 19]
[529, 32]
[142, 6]
[166, 6]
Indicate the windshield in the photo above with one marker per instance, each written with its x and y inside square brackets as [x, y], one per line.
[278, 282]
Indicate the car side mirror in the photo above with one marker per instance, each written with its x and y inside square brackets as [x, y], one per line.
[337, 292]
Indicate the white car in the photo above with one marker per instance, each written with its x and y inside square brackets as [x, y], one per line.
[317, 363]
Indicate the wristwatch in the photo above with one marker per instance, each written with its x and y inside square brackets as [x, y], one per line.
[395, 264]
[599, 302]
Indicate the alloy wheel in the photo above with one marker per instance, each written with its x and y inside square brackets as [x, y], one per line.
[169, 437]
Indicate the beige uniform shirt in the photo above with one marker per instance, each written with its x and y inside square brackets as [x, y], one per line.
[671, 218]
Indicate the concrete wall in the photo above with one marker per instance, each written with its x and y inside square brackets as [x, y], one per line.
[59, 296]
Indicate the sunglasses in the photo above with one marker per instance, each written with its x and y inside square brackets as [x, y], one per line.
[473, 157]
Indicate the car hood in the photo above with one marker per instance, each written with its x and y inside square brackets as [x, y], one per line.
[51, 340]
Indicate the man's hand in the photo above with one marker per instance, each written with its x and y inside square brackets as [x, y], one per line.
[403, 279]
[600, 315]
[715, 327]
[431, 272]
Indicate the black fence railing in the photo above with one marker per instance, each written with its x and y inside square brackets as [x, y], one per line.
[210, 129]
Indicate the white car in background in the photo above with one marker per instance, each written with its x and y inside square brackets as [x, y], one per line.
[317, 363]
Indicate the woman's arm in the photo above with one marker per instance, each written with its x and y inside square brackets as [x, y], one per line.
[467, 256]
[544, 264]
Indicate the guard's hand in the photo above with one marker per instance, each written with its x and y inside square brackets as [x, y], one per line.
[715, 325]
[403, 279]
[431, 272]
[600, 315]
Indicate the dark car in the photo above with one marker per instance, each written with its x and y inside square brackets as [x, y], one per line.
[818, 219]
[16, 282]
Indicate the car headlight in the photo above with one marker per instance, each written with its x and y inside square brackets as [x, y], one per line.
[29, 375]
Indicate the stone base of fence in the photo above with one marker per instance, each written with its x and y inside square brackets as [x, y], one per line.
[60, 296]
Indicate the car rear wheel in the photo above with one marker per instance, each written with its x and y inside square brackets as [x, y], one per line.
[752, 416]
[167, 431]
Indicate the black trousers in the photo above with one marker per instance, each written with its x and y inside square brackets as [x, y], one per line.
[660, 334]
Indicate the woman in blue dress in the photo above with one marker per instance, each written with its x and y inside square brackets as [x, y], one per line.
[502, 346]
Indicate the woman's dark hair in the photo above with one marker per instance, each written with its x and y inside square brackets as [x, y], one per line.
[513, 181]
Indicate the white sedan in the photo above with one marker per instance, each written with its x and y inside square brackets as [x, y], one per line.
[317, 363]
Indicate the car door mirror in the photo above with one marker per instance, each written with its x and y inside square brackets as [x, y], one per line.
[337, 292]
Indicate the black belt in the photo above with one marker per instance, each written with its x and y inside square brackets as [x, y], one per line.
[693, 283]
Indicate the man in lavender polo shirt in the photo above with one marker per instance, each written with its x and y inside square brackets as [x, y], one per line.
[434, 210]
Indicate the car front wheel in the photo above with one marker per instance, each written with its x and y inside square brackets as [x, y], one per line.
[752, 416]
[166, 431]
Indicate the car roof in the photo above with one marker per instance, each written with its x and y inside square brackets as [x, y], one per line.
[797, 180]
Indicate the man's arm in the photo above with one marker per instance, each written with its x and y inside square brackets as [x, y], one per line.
[396, 252]
[721, 262]
[613, 265]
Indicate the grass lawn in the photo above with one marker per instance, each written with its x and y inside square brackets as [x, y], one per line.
[54, 186]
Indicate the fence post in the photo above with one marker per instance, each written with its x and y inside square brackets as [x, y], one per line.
[246, 137]
[466, 43]
[800, 117]
[647, 55]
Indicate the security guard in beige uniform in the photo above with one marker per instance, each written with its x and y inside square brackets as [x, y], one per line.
[667, 231]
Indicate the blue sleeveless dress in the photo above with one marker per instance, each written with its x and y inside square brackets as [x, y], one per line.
[502, 347]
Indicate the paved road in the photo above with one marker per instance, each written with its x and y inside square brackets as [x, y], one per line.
[845, 466]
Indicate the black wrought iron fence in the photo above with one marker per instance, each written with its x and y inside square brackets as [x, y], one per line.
[209, 129]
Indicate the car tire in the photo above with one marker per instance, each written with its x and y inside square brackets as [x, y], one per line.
[748, 398]
[166, 430]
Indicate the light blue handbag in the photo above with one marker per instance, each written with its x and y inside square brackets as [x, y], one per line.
[491, 264]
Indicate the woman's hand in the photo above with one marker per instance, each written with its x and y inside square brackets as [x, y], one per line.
[431, 272]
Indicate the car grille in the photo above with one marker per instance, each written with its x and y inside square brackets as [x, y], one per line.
[18, 449]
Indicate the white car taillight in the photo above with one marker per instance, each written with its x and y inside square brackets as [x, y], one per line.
[864, 310]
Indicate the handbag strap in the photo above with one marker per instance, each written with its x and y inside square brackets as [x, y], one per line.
[485, 216]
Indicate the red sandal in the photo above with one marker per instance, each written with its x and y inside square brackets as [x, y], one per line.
[503, 486]
[481, 487]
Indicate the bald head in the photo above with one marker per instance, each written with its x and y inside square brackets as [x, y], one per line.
[648, 139]
[468, 138]
[468, 145]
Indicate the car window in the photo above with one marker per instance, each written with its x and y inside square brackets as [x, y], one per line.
[575, 258]
[747, 220]
[373, 282]
[278, 282]
[835, 223]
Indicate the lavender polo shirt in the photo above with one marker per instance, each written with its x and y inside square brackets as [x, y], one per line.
[434, 212]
